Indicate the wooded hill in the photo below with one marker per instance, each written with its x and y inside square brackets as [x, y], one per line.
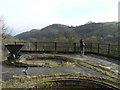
[92, 32]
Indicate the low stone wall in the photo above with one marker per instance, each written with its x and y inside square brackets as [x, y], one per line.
[17, 63]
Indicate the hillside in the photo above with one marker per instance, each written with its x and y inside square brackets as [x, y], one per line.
[102, 32]
[96, 32]
[54, 32]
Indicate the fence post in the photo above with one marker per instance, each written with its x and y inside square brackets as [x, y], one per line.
[91, 47]
[108, 49]
[74, 45]
[118, 51]
[98, 47]
[15, 42]
[35, 46]
[55, 46]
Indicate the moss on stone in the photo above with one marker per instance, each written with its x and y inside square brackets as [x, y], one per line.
[42, 80]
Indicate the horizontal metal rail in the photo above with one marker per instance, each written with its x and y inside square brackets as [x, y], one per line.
[62, 47]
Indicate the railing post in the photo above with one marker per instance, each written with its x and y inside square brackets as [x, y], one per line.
[15, 42]
[35, 46]
[91, 47]
[55, 46]
[98, 47]
[118, 51]
[108, 49]
[74, 45]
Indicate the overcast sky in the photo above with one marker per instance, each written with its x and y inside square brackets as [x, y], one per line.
[24, 15]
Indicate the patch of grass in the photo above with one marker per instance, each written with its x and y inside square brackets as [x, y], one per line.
[96, 67]
[2, 73]
[42, 80]
[66, 60]
[50, 61]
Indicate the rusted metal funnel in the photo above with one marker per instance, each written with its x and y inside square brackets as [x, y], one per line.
[14, 50]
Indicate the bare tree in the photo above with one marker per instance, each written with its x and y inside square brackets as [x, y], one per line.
[4, 29]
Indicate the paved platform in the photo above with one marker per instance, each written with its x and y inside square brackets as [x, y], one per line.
[100, 61]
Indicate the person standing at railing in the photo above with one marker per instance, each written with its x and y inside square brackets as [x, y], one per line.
[82, 46]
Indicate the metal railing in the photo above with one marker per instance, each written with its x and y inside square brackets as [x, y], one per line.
[104, 49]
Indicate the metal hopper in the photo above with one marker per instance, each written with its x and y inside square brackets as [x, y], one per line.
[14, 50]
